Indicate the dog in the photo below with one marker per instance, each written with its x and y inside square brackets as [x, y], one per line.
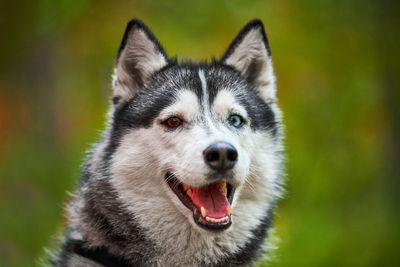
[189, 167]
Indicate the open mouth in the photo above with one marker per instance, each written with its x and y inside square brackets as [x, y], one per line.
[210, 204]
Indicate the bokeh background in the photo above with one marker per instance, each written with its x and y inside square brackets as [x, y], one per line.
[337, 64]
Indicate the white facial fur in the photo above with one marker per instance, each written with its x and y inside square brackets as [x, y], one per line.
[144, 155]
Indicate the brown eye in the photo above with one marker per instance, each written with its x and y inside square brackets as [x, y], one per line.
[173, 122]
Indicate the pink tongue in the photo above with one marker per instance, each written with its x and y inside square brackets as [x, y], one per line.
[212, 198]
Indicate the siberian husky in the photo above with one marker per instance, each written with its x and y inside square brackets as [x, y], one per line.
[188, 171]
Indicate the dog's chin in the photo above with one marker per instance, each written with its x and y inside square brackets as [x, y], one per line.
[210, 204]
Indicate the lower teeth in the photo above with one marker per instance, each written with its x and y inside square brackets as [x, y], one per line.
[224, 219]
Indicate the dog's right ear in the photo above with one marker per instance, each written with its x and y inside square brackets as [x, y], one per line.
[140, 55]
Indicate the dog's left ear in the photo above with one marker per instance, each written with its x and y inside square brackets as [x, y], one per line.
[140, 55]
[249, 53]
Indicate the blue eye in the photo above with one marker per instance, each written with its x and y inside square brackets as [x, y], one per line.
[236, 121]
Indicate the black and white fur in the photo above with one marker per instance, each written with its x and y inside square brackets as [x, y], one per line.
[124, 212]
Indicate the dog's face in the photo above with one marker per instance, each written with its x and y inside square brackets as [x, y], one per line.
[194, 139]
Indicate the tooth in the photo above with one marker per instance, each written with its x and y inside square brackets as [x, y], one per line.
[203, 211]
[207, 218]
[189, 192]
[229, 211]
[225, 189]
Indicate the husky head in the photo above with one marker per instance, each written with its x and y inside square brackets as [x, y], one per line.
[192, 156]
[195, 141]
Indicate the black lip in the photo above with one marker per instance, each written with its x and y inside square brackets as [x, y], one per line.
[177, 187]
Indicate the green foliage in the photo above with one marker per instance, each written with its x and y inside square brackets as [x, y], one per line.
[336, 63]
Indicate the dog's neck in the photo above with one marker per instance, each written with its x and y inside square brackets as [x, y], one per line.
[98, 219]
[97, 255]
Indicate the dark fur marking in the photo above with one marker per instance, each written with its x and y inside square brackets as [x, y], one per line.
[112, 223]
[97, 254]
[260, 114]
[116, 99]
[253, 249]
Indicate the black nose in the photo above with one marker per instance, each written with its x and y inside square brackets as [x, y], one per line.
[220, 156]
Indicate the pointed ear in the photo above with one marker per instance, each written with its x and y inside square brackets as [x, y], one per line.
[140, 55]
[249, 53]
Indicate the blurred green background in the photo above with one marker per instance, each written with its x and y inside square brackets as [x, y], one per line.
[337, 64]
